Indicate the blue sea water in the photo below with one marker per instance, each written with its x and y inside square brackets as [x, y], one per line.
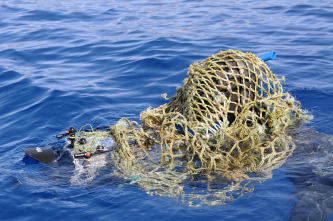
[69, 63]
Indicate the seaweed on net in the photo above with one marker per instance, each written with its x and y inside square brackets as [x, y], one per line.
[225, 128]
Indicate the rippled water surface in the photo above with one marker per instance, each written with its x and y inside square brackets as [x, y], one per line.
[69, 63]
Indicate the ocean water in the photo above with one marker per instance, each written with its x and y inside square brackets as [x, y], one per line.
[69, 63]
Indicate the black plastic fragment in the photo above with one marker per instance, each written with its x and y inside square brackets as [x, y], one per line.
[42, 154]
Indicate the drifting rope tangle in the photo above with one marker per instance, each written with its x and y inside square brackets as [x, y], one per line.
[223, 129]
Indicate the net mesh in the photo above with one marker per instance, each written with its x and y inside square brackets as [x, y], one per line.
[224, 129]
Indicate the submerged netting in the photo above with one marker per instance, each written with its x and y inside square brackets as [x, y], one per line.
[225, 127]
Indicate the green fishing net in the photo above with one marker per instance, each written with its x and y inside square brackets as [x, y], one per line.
[224, 129]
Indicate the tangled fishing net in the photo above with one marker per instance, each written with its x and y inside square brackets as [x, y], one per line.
[225, 128]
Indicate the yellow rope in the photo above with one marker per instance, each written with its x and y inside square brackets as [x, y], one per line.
[227, 123]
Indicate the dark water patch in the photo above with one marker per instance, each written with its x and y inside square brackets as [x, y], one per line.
[273, 9]
[310, 169]
[42, 15]
[52, 16]
[25, 97]
[5, 8]
[308, 10]
[9, 77]
[47, 34]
